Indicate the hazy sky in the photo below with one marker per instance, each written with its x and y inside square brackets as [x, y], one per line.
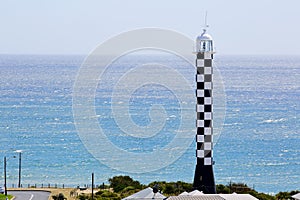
[78, 26]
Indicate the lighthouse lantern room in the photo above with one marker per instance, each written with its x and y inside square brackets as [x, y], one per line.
[204, 42]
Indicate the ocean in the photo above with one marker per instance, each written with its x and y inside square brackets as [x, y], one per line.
[258, 143]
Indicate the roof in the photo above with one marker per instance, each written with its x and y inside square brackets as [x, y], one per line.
[204, 36]
[184, 194]
[235, 196]
[197, 195]
[296, 196]
[146, 194]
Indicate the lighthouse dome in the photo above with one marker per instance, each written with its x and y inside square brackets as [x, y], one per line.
[204, 42]
[204, 36]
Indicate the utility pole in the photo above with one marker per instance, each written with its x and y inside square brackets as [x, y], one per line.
[92, 186]
[19, 184]
[5, 190]
[20, 162]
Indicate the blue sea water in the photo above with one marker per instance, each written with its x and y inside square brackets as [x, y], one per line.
[258, 145]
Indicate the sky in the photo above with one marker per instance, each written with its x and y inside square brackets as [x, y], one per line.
[256, 27]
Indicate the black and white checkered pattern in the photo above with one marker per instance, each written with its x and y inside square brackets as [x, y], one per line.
[204, 123]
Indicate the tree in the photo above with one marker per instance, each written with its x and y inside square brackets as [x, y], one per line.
[283, 195]
[172, 188]
[293, 192]
[222, 189]
[261, 196]
[242, 188]
[118, 183]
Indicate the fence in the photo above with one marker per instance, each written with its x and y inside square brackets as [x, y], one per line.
[49, 185]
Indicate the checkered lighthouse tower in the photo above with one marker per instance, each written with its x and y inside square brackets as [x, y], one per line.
[204, 176]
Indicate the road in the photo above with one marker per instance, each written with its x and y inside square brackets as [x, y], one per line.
[30, 195]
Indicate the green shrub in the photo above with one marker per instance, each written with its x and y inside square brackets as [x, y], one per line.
[60, 196]
[222, 189]
[172, 188]
[118, 183]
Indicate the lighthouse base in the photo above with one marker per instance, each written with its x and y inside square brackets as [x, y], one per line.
[204, 179]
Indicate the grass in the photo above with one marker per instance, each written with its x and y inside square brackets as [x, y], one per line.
[3, 197]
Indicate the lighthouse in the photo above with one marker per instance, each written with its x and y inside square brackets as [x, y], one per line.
[204, 176]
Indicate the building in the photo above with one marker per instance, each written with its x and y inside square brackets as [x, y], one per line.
[197, 195]
[296, 196]
[204, 176]
[146, 194]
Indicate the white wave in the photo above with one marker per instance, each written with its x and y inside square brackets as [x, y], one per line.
[274, 120]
